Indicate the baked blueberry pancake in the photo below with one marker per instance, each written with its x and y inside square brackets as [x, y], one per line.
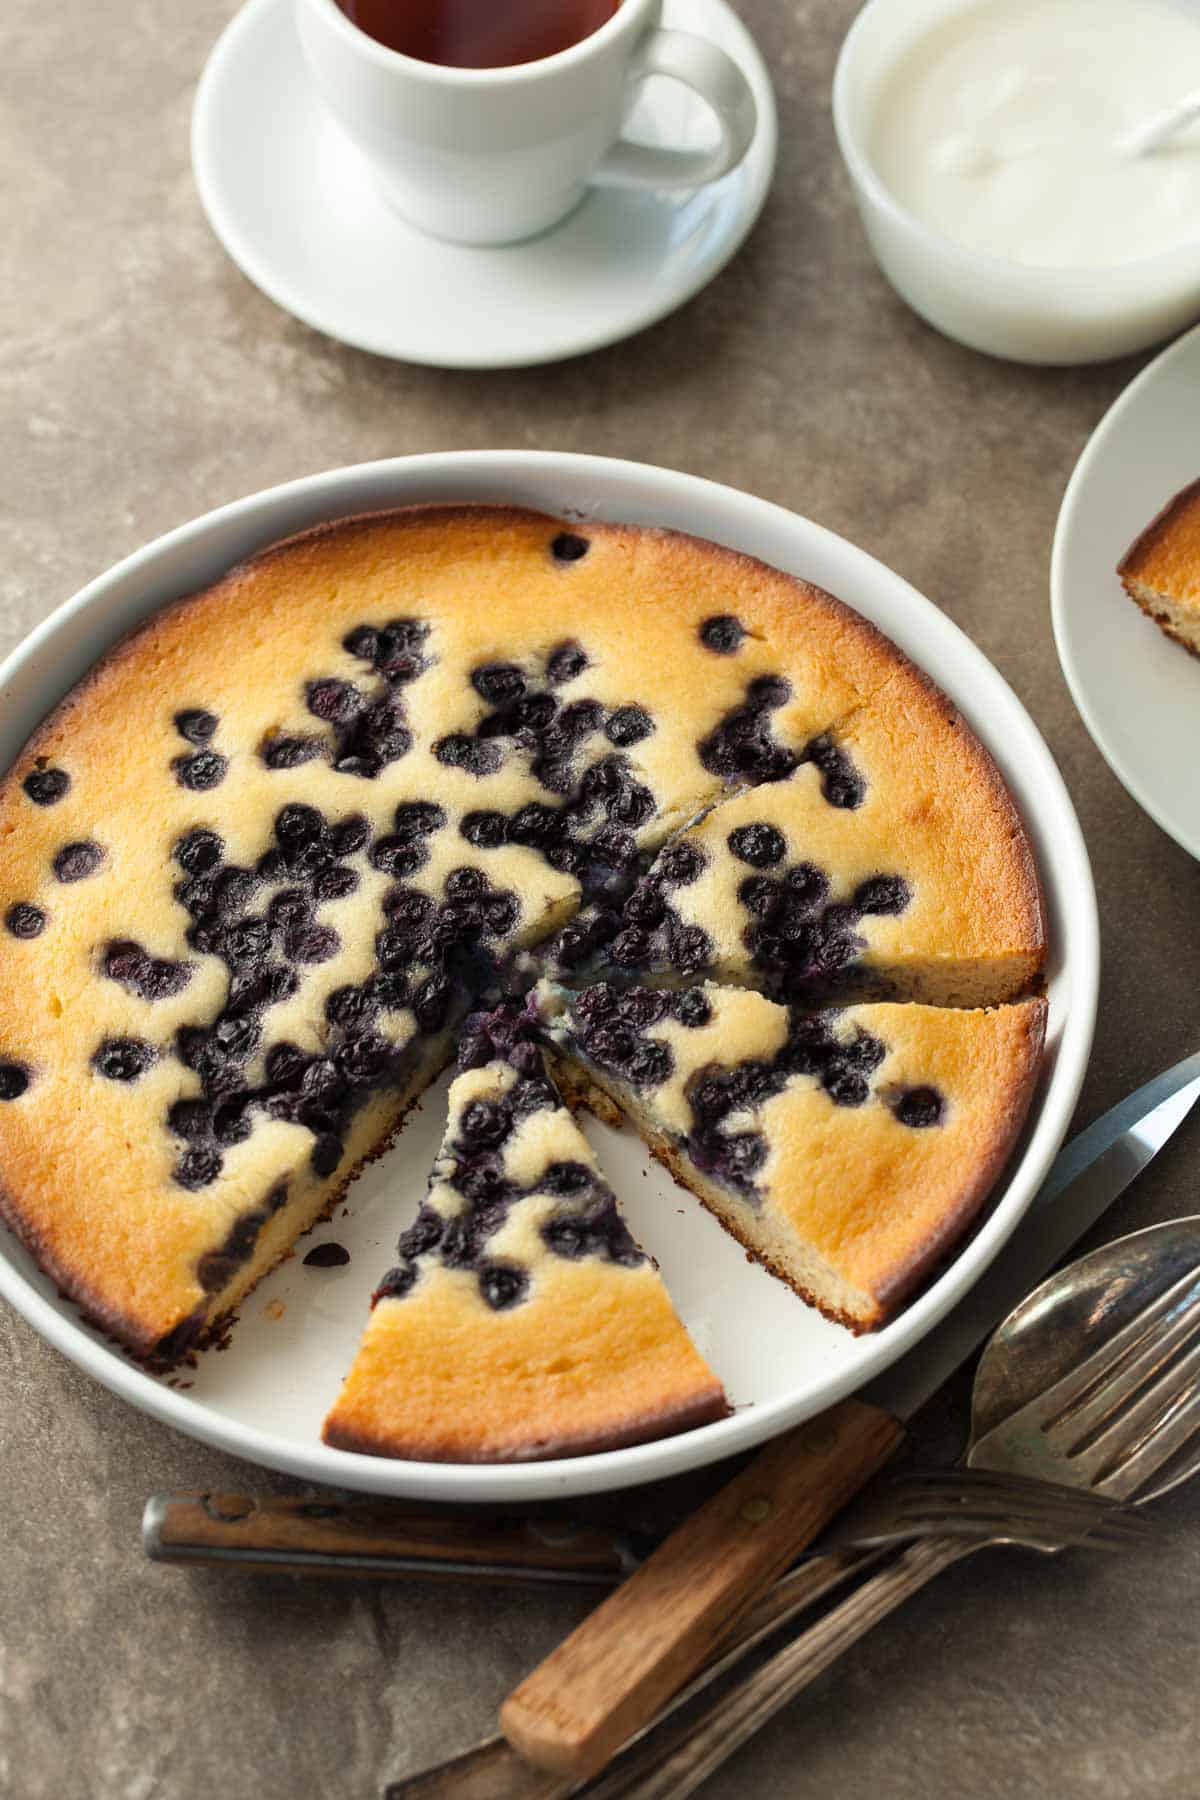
[263, 861]
[521, 1320]
[846, 1148]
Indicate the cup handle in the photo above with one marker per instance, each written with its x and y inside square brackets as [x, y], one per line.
[717, 79]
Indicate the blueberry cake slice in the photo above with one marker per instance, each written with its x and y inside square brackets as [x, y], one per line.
[522, 1320]
[847, 1149]
[889, 863]
[1161, 569]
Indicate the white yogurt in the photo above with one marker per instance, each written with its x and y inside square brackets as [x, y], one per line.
[1001, 127]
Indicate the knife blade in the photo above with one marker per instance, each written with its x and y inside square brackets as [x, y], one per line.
[358, 1537]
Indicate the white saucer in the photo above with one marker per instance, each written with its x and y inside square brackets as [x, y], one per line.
[292, 201]
[1138, 693]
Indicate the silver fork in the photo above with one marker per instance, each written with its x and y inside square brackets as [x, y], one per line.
[1128, 1413]
[971, 1506]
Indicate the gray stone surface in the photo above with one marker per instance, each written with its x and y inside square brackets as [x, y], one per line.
[142, 381]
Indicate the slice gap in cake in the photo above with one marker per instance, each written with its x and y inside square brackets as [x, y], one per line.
[1161, 569]
[522, 1321]
[847, 1149]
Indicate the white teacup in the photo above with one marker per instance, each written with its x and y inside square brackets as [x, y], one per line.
[489, 156]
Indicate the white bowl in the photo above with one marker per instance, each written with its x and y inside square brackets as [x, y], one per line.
[992, 303]
[264, 1397]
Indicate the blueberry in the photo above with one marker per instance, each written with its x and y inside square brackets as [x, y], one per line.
[920, 1107]
[75, 862]
[693, 1007]
[768, 692]
[863, 1053]
[406, 907]
[334, 884]
[882, 894]
[199, 851]
[631, 804]
[844, 1086]
[289, 752]
[565, 1178]
[200, 771]
[236, 1036]
[246, 941]
[760, 895]
[423, 1235]
[46, 786]
[631, 949]
[431, 1002]
[564, 663]
[334, 701]
[613, 844]
[196, 725]
[14, 1079]
[650, 1063]
[312, 944]
[395, 1284]
[762, 846]
[349, 835]
[406, 634]
[568, 547]
[680, 864]
[363, 1060]
[24, 920]
[722, 633]
[418, 818]
[389, 990]
[645, 906]
[464, 883]
[327, 1153]
[691, 949]
[531, 716]
[806, 884]
[498, 683]
[628, 725]
[532, 1094]
[190, 1119]
[399, 855]
[537, 825]
[198, 1167]
[285, 1065]
[567, 1236]
[362, 642]
[288, 909]
[486, 830]
[841, 784]
[231, 1120]
[485, 1123]
[742, 1155]
[643, 1007]
[350, 1007]
[502, 1286]
[580, 719]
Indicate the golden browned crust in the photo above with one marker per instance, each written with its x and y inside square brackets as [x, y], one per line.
[1176, 526]
[663, 1422]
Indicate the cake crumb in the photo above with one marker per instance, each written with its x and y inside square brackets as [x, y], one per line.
[274, 1309]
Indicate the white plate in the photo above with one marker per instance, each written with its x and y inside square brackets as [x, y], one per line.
[1138, 692]
[291, 200]
[265, 1396]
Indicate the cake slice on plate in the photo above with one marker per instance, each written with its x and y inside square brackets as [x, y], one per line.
[846, 1149]
[522, 1320]
[1161, 569]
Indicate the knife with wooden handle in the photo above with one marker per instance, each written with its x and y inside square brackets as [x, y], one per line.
[378, 1539]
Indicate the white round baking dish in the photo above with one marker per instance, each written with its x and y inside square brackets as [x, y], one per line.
[264, 1397]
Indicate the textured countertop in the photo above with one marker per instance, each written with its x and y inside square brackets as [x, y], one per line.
[142, 381]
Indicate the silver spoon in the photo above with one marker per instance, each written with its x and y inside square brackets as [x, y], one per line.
[1093, 1381]
[1146, 138]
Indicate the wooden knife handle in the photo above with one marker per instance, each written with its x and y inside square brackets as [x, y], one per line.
[611, 1676]
[363, 1537]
